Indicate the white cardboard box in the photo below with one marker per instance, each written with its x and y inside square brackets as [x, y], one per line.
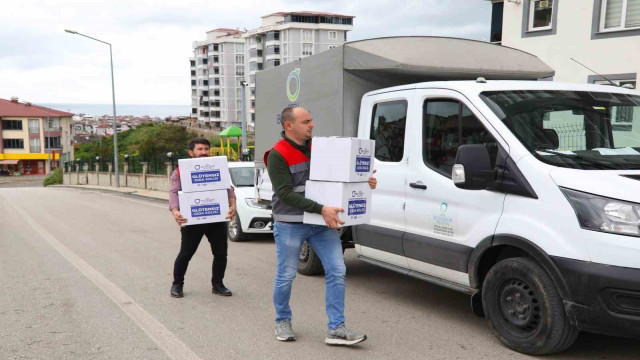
[354, 198]
[204, 206]
[205, 173]
[341, 159]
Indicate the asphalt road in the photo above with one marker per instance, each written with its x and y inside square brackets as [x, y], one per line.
[86, 275]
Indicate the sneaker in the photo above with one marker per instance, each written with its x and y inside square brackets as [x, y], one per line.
[176, 291]
[343, 336]
[284, 331]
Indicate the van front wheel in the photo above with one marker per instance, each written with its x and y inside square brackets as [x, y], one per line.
[524, 308]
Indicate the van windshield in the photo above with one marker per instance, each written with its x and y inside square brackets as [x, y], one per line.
[574, 129]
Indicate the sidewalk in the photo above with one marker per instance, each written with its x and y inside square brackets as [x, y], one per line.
[161, 195]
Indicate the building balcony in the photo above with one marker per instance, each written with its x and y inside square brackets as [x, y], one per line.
[273, 57]
[272, 43]
[203, 119]
[205, 98]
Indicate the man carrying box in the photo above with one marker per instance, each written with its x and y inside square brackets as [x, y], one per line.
[191, 235]
[288, 167]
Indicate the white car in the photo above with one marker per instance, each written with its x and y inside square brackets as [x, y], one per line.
[253, 215]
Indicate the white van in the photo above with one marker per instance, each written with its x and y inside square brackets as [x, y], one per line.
[540, 222]
[523, 194]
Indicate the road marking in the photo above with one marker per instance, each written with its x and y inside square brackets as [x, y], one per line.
[166, 207]
[165, 339]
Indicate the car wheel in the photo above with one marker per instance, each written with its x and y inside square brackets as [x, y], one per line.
[234, 230]
[309, 263]
[524, 308]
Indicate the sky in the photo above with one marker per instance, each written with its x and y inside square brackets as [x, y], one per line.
[152, 40]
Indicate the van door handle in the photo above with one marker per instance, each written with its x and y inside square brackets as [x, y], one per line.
[418, 186]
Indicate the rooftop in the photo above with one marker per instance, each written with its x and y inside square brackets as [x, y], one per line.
[309, 13]
[16, 108]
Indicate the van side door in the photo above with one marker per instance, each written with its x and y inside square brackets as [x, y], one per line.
[445, 223]
[383, 118]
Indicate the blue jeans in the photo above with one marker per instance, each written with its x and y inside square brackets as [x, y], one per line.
[326, 243]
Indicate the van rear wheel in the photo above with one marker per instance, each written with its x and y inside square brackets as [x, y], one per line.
[524, 308]
[309, 263]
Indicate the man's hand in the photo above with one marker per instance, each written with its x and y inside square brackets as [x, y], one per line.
[178, 217]
[232, 209]
[373, 182]
[330, 216]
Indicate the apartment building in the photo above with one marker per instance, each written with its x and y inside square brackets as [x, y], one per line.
[283, 37]
[289, 36]
[603, 35]
[33, 139]
[217, 68]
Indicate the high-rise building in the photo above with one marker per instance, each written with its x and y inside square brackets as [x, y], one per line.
[217, 69]
[283, 37]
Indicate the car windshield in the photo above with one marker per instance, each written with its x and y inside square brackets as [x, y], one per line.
[575, 129]
[242, 176]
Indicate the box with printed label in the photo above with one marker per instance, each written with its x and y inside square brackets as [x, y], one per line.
[341, 159]
[205, 173]
[354, 198]
[204, 207]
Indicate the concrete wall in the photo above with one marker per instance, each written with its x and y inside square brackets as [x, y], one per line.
[157, 182]
[139, 181]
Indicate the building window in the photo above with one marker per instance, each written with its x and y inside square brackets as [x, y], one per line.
[307, 49]
[192, 62]
[332, 46]
[215, 47]
[194, 110]
[276, 62]
[540, 15]
[333, 35]
[240, 48]
[52, 142]
[307, 35]
[13, 143]
[11, 124]
[240, 70]
[239, 59]
[620, 15]
[34, 126]
[284, 36]
[618, 79]
[216, 81]
[216, 59]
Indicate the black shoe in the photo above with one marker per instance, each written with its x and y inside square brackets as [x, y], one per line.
[220, 289]
[176, 291]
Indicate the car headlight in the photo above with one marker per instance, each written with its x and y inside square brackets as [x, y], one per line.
[599, 213]
[261, 204]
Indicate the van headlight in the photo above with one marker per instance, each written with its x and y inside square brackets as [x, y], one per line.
[599, 213]
[261, 204]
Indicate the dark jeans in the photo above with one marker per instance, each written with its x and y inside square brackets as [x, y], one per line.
[191, 235]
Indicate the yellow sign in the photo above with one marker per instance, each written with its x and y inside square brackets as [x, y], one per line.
[54, 156]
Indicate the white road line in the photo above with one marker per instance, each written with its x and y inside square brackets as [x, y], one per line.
[166, 207]
[166, 340]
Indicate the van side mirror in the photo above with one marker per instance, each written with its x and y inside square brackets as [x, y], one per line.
[472, 170]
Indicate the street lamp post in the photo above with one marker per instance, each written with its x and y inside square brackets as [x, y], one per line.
[113, 94]
[243, 84]
[170, 156]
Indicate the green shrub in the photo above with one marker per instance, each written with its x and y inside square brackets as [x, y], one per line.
[54, 179]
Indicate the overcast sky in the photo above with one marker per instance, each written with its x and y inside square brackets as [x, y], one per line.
[152, 40]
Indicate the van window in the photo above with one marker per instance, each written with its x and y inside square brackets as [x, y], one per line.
[387, 129]
[448, 124]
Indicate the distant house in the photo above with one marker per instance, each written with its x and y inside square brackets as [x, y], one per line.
[604, 35]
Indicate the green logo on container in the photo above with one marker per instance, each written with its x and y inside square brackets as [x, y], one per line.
[293, 79]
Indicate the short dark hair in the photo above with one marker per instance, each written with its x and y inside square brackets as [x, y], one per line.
[198, 140]
[287, 115]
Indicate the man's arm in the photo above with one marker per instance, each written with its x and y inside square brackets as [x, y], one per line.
[280, 176]
[174, 204]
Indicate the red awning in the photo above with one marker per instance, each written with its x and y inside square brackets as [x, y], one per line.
[9, 162]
